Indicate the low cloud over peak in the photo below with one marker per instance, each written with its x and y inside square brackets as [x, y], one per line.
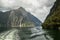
[39, 8]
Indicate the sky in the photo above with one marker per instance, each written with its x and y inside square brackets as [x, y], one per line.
[38, 8]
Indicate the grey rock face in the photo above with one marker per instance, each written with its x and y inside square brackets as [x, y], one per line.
[18, 18]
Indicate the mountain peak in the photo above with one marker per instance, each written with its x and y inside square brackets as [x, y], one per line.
[20, 8]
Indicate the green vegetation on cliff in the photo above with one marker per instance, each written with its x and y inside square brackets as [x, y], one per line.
[53, 19]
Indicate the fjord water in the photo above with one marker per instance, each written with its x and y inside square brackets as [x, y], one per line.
[55, 34]
[28, 33]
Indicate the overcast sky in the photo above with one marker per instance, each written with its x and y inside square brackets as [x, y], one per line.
[38, 8]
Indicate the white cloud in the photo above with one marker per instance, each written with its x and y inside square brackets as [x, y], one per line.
[39, 8]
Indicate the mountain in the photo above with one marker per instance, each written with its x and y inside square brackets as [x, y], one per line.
[21, 17]
[34, 19]
[18, 18]
[4, 18]
[53, 19]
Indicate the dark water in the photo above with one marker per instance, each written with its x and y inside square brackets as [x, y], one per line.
[55, 34]
[43, 34]
[35, 33]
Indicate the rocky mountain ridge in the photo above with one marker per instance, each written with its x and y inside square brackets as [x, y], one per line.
[18, 18]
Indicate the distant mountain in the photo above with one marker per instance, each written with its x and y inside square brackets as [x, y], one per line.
[18, 17]
[4, 18]
[34, 19]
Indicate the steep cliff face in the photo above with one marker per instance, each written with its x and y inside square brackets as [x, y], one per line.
[4, 18]
[18, 18]
[21, 18]
[53, 19]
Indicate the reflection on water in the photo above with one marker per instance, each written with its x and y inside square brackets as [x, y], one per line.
[35, 33]
[55, 34]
